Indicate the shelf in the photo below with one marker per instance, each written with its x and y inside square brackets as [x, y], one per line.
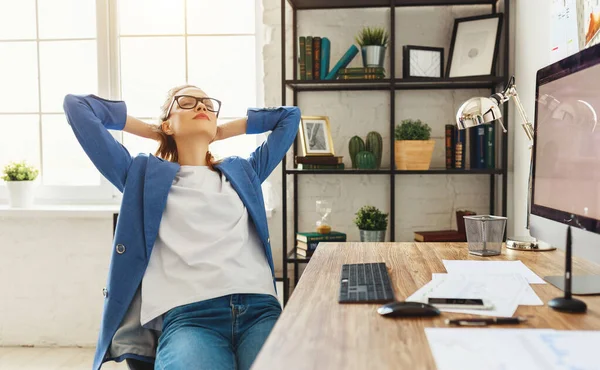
[384, 171]
[292, 257]
[479, 82]
[339, 85]
[350, 171]
[340, 4]
[451, 171]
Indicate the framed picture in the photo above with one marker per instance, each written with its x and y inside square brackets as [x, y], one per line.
[474, 46]
[315, 136]
[422, 61]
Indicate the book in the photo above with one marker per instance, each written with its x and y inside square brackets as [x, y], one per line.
[449, 132]
[459, 148]
[359, 77]
[440, 236]
[362, 70]
[309, 57]
[317, 57]
[310, 247]
[333, 236]
[460, 221]
[302, 57]
[325, 49]
[343, 62]
[490, 147]
[305, 166]
[477, 147]
[318, 159]
[303, 253]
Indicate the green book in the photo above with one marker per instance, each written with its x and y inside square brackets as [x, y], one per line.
[490, 146]
[333, 236]
[302, 57]
[309, 57]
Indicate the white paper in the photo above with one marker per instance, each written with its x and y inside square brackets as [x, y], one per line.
[502, 290]
[492, 267]
[529, 297]
[515, 349]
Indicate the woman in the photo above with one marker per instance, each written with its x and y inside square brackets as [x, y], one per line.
[191, 282]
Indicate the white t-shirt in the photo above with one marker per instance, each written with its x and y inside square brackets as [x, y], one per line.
[207, 246]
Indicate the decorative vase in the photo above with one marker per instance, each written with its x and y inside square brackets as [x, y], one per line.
[372, 235]
[413, 154]
[374, 144]
[20, 193]
[366, 160]
[373, 55]
[355, 146]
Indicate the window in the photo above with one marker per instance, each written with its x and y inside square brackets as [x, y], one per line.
[134, 50]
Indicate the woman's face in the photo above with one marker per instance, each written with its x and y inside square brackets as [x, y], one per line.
[190, 116]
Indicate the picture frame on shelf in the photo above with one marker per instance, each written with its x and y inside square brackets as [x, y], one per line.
[474, 46]
[422, 61]
[315, 136]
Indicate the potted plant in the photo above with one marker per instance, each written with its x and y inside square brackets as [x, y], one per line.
[372, 224]
[19, 177]
[413, 145]
[373, 42]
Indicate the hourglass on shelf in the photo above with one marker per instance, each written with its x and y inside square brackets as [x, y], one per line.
[324, 210]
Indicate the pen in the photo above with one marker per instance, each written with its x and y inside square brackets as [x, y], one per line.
[488, 321]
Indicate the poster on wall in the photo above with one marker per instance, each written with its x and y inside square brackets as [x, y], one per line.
[588, 22]
[564, 29]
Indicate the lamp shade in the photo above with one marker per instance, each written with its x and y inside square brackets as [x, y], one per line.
[477, 111]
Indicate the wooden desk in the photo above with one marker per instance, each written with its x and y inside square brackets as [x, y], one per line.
[316, 332]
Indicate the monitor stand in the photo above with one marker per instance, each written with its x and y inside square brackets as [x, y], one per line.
[580, 284]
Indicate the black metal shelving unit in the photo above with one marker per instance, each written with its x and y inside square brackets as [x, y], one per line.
[494, 83]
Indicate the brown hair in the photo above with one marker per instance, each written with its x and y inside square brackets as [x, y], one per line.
[167, 148]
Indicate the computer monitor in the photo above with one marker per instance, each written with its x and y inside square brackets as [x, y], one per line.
[566, 158]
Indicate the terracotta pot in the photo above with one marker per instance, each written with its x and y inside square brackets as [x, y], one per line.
[413, 154]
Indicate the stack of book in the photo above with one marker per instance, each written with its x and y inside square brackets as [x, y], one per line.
[459, 235]
[307, 242]
[319, 162]
[314, 57]
[473, 148]
[359, 73]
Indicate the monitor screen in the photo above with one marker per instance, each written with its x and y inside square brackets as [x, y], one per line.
[566, 151]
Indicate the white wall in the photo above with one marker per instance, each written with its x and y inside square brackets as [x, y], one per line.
[52, 271]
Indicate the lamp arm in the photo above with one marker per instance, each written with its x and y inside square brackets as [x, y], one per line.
[527, 125]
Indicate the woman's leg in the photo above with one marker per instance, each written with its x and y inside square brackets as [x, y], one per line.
[254, 326]
[197, 336]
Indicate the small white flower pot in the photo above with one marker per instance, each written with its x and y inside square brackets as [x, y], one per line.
[20, 193]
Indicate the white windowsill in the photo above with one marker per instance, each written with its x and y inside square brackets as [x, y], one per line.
[70, 210]
[61, 210]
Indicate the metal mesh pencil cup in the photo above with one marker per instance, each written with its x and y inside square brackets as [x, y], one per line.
[485, 234]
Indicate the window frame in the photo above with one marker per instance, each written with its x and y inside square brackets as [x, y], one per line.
[109, 85]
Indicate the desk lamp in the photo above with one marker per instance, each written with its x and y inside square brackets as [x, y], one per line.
[481, 111]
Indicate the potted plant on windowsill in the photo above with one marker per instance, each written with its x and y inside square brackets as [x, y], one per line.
[20, 181]
[413, 146]
[372, 224]
[373, 42]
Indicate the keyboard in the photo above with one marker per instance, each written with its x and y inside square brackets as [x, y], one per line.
[365, 283]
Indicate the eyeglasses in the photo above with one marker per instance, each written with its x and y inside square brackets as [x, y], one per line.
[190, 102]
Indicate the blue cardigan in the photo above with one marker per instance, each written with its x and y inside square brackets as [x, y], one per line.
[145, 181]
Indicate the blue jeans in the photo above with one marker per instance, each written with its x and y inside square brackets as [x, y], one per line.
[220, 333]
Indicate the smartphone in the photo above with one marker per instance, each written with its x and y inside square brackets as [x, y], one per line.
[467, 303]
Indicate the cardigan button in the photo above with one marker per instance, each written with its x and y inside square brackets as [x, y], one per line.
[104, 292]
[268, 240]
[120, 248]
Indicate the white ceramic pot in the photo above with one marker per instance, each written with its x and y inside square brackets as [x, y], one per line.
[20, 193]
